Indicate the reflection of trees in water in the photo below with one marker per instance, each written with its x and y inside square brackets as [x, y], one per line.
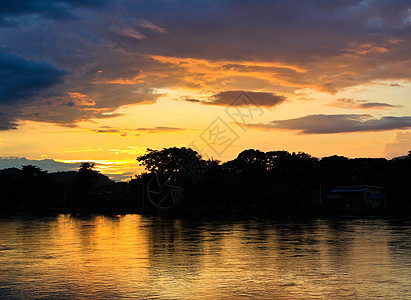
[177, 247]
[305, 245]
[31, 234]
[399, 241]
[89, 226]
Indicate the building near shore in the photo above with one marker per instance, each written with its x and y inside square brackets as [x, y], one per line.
[357, 196]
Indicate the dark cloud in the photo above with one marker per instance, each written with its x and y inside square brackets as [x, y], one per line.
[135, 28]
[23, 79]
[160, 129]
[11, 10]
[230, 98]
[7, 122]
[125, 131]
[7, 125]
[192, 100]
[266, 28]
[376, 105]
[343, 123]
[23, 83]
[361, 104]
[107, 131]
[39, 91]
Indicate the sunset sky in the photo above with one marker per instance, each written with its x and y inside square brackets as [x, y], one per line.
[104, 80]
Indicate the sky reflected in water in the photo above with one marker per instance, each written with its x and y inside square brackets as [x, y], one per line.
[135, 256]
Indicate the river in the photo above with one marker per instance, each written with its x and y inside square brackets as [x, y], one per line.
[154, 257]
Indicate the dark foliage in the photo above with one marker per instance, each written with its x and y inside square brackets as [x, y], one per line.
[273, 182]
[278, 181]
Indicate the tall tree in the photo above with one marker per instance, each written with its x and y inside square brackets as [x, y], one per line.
[168, 161]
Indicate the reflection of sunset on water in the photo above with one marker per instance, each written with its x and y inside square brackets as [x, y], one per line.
[147, 256]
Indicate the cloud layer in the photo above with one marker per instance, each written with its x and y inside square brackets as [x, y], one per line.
[361, 104]
[231, 98]
[23, 80]
[12, 13]
[70, 61]
[137, 131]
[159, 129]
[342, 123]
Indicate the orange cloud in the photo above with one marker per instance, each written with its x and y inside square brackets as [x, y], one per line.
[365, 49]
[222, 74]
[225, 63]
[81, 99]
[135, 80]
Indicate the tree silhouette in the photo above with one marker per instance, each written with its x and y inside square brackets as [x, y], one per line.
[86, 167]
[167, 161]
[30, 171]
[86, 178]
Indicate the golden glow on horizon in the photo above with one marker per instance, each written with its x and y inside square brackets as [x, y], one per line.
[114, 143]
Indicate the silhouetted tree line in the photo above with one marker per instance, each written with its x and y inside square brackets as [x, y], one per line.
[256, 181]
[278, 181]
[32, 189]
[22, 188]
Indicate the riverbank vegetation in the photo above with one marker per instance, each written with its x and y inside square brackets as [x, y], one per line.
[273, 182]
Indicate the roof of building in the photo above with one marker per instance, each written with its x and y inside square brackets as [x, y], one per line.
[357, 187]
[347, 191]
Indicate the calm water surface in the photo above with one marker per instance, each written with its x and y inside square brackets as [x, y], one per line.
[135, 256]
